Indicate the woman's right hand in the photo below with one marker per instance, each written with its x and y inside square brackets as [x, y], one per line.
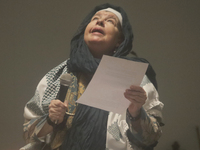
[57, 110]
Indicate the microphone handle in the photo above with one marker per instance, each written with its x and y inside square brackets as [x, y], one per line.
[62, 93]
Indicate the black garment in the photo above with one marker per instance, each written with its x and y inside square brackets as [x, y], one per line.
[150, 71]
[88, 131]
[89, 126]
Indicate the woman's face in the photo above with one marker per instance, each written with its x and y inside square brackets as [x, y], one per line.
[102, 34]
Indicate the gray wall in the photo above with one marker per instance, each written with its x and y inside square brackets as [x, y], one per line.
[35, 36]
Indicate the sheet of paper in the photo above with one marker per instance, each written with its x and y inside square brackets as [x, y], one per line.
[112, 77]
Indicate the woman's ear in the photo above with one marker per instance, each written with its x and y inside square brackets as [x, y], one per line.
[121, 39]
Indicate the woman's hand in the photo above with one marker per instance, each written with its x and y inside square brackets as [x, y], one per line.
[137, 96]
[57, 111]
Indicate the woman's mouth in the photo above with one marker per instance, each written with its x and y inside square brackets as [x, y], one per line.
[97, 30]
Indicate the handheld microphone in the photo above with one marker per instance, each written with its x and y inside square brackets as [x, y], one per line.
[65, 81]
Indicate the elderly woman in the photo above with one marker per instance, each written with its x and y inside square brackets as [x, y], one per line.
[52, 124]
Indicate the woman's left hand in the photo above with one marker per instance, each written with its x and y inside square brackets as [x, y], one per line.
[137, 96]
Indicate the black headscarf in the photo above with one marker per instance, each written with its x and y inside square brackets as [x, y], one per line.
[80, 57]
[89, 126]
[81, 60]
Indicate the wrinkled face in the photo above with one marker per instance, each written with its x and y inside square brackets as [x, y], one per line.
[102, 35]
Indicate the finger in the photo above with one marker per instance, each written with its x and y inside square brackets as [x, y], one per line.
[133, 99]
[58, 103]
[56, 118]
[137, 88]
[135, 93]
[53, 117]
[57, 111]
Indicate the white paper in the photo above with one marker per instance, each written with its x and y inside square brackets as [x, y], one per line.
[112, 77]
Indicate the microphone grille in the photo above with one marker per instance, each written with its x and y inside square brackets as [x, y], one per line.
[66, 79]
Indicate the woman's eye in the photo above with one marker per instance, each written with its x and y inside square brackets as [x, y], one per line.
[111, 21]
[95, 18]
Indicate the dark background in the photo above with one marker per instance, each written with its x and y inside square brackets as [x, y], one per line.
[35, 37]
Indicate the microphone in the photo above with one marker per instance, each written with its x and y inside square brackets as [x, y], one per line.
[65, 81]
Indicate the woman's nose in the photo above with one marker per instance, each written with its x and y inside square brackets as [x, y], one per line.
[100, 22]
